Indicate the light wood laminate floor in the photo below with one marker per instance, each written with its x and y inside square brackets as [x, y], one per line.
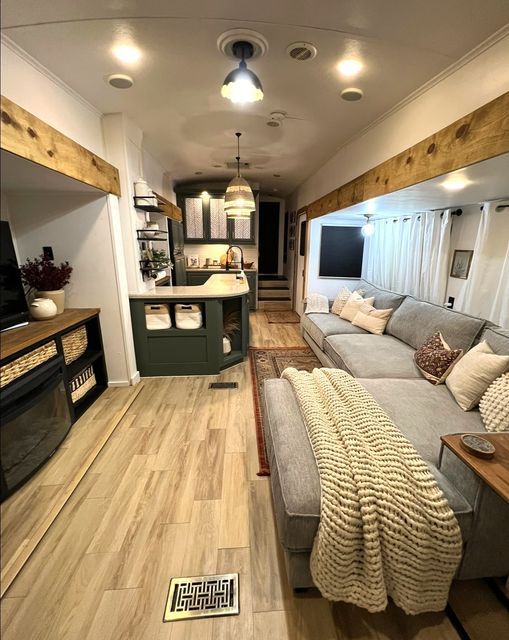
[174, 492]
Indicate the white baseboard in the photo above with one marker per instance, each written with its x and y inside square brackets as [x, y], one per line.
[135, 379]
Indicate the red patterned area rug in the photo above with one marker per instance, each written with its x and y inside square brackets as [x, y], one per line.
[270, 363]
[282, 317]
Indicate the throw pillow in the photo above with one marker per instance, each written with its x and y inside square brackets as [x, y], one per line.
[352, 306]
[494, 405]
[341, 300]
[371, 319]
[435, 359]
[316, 303]
[474, 373]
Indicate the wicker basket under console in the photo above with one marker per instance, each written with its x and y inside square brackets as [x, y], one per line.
[74, 344]
[82, 383]
[18, 367]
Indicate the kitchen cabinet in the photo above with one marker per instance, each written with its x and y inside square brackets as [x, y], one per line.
[205, 221]
[200, 276]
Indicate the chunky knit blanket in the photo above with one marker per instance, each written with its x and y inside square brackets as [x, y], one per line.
[385, 528]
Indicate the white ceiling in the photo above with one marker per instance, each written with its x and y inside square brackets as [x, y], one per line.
[189, 127]
[487, 180]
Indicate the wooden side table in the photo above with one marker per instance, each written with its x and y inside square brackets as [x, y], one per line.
[494, 471]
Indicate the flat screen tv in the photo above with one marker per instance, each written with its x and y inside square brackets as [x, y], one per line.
[13, 304]
[341, 252]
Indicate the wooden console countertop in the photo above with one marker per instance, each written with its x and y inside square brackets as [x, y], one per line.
[15, 340]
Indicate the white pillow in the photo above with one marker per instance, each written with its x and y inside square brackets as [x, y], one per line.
[494, 405]
[353, 305]
[316, 303]
[371, 319]
[474, 373]
[341, 300]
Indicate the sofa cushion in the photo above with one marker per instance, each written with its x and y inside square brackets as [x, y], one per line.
[498, 339]
[415, 320]
[435, 359]
[384, 299]
[293, 472]
[321, 325]
[370, 356]
[422, 412]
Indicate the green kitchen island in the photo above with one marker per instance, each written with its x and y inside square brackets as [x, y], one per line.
[183, 352]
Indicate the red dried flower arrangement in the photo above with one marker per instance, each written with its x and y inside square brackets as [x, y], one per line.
[42, 274]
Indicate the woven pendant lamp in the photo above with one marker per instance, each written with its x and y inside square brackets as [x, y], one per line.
[239, 200]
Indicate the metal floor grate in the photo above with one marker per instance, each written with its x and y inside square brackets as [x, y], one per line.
[224, 385]
[202, 597]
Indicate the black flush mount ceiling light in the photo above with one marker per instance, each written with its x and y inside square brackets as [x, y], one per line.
[239, 199]
[242, 85]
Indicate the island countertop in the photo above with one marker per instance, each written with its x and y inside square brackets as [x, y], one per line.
[219, 285]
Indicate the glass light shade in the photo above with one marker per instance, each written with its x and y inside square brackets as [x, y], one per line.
[239, 199]
[368, 229]
[242, 85]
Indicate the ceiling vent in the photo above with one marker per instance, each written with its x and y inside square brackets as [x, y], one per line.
[352, 94]
[120, 81]
[301, 51]
[243, 165]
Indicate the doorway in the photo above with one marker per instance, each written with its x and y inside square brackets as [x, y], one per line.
[268, 238]
[299, 281]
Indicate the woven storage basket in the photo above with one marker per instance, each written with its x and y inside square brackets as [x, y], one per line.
[82, 383]
[24, 364]
[74, 344]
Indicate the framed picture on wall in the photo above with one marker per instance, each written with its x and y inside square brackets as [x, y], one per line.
[461, 262]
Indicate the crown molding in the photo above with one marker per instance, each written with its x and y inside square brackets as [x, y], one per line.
[38, 66]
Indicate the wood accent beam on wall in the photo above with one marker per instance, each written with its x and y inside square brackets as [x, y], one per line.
[169, 209]
[27, 136]
[478, 136]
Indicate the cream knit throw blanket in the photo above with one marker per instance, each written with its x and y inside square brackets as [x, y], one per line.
[385, 528]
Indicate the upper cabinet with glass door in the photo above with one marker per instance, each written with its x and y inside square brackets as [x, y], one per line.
[205, 220]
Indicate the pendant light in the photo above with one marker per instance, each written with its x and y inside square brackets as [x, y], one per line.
[242, 85]
[369, 228]
[238, 199]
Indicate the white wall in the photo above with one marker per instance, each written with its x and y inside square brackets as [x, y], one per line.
[471, 85]
[463, 235]
[82, 228]
[74, 224]
[329, 287]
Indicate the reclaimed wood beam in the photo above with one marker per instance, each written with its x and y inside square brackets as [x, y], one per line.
[168, 209]
[478, 136]
[26, 136]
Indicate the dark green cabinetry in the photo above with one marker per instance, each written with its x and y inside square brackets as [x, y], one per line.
[184, 352]
[198, 276]
[205, 220]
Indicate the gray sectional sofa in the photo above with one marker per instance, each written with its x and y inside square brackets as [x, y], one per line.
[384, 366]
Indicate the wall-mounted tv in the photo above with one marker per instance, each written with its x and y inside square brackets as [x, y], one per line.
[341, 251]
[13, 304]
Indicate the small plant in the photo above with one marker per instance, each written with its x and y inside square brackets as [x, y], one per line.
[160, 257]
[42, 274]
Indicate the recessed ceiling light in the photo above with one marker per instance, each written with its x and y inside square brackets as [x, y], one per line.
[350, 67]
[120, 81]
[455, 183]
[276, 175]
[217, 166]
[352, 94]
[198, 173]
[126, 53]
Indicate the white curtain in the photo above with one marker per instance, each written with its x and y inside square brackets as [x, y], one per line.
[486, 291]
[410, 254]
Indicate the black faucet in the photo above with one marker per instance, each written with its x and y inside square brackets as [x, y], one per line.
[234, 246]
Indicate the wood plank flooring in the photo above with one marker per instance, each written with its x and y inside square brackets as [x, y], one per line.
[174, 492]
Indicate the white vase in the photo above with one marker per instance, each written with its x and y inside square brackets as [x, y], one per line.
[43, 309]
[227, 345]
[58, 297]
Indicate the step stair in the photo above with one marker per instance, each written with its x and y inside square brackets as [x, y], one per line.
[274, 293]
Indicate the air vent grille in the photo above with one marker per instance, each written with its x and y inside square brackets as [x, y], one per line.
[301, 51]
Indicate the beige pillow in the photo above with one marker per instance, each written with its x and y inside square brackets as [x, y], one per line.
[494, 405]
[474, 373]
[352, 306]
[341, 300]
[371, 319]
